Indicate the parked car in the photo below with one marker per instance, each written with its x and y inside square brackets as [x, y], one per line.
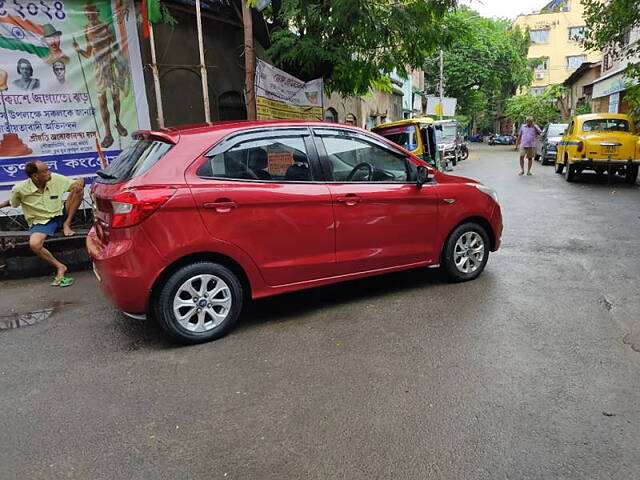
[602, 142]
[448, 140]
[548, 140]
[192, 222]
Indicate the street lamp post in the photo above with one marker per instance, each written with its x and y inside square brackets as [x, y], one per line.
[441, 84]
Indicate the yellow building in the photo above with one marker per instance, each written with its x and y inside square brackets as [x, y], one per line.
[555, 32]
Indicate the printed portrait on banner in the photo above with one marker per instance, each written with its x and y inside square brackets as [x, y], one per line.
[70, 80]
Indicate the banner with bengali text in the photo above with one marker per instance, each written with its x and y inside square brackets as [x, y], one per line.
[70, 77]
[280, 96]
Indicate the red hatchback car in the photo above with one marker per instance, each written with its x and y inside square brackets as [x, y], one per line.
[192, 222]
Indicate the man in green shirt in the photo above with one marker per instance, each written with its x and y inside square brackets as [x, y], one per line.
[40, 197]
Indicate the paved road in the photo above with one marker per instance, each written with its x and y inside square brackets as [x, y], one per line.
[529, 372]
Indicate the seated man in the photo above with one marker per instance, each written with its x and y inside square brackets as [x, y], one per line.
[40, 197]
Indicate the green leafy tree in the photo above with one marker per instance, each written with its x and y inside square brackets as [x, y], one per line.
[484, 66]
[608, 25]
[539, 107]
[356, 44]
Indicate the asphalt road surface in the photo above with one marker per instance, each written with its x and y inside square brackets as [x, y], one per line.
[530, 372]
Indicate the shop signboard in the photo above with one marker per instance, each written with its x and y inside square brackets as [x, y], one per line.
[70, 79]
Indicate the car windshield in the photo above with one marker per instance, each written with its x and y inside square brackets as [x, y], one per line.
[134, 160]
[556, 130]
[447, 134]
[606, 125]
[404, 136]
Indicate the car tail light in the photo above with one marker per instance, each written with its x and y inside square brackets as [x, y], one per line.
[131, 207]
[580, 146]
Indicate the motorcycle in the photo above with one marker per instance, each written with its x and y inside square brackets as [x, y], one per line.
[464, 151]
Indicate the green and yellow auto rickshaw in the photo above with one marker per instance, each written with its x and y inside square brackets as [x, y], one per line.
[414, 134]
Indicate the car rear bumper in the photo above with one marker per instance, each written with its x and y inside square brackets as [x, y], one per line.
[603, 162]
[122, 271]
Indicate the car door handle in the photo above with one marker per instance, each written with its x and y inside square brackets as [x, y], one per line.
[349, 199]
[222, 205]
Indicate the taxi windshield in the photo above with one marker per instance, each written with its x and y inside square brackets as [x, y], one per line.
[405, 136]
[606, 125]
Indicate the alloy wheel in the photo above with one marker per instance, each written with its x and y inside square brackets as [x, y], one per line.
[202, 303]
[469, 252]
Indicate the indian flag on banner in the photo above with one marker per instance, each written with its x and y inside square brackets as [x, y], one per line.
[19, 34]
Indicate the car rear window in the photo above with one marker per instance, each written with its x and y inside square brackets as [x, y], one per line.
[405, 136]
[606, 125]
[134, 160]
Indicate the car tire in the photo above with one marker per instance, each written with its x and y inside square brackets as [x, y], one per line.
[570, 173]
[631, 175]
[456, 262]
[201, 321]
[559, 167]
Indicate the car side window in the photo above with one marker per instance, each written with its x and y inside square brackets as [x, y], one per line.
[356, 160]
[281, 159]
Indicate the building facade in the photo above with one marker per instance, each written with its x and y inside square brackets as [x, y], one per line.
[555, 34]
[403, 101]
[580, 87]
[609, 89]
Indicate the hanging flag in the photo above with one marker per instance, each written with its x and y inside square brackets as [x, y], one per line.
[24, 35]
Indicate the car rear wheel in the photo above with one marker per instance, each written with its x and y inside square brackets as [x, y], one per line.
[570, 173]
[199, 302]
[466, 252]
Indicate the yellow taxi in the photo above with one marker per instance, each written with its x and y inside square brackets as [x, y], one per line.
[602, 142]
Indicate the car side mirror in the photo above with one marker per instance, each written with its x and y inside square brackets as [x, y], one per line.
[422, 175]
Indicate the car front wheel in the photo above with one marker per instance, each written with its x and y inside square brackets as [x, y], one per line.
[199, 302]
[559, 167]
[466, 252]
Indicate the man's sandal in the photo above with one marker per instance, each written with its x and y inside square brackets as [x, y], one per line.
[62, 282]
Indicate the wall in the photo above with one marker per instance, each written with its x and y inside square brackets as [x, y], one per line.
[178, 64]
[558, 46]
[577, 91]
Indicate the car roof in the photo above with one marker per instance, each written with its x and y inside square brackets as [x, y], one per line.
[406, 121]
[174, 133]
[595, 116]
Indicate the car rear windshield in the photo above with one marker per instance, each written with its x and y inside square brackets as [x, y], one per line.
[606, 125]
[404, 136]
[134, 160]
[556, 130]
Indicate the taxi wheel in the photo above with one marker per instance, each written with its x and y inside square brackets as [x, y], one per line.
[559, 167]
[632, 174]
[570, 173]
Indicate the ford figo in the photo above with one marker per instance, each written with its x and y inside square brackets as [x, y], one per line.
[193, 222]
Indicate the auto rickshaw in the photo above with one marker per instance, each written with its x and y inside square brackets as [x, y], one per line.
[416, 135]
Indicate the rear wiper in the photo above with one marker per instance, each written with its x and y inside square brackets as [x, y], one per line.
[105, 175]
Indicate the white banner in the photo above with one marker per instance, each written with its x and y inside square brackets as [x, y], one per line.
[284, 97]
[448, 108]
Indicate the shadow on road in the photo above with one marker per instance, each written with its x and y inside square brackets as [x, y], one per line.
[291, 305]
